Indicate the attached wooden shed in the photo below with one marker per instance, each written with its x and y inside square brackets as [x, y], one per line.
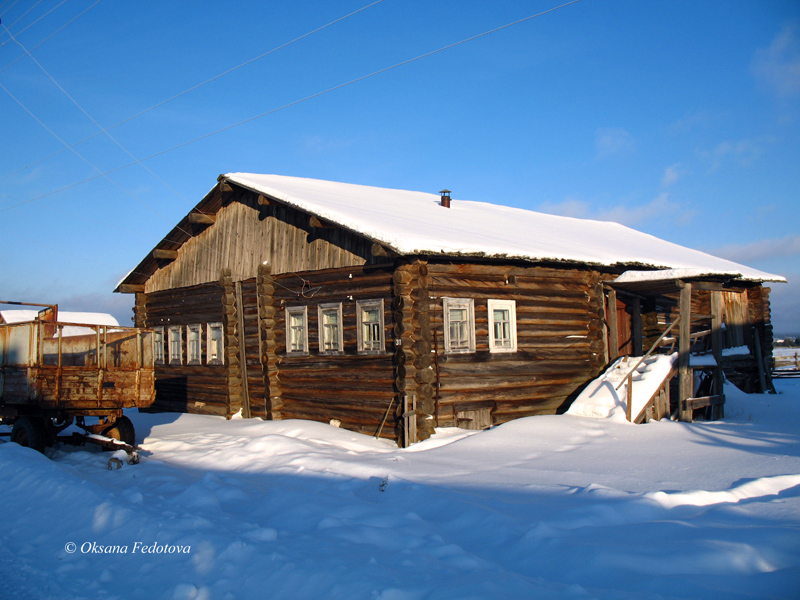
[394, 312]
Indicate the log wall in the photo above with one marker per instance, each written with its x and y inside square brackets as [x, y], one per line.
[188, 388]
[560, 343]
[352, 387]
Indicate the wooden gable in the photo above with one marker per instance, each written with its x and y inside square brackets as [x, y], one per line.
[245, 231]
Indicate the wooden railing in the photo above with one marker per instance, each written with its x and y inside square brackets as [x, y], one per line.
[629, 377]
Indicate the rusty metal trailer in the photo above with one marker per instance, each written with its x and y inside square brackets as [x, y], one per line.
[55, 374]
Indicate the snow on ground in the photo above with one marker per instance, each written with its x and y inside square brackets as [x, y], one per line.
[543, 507]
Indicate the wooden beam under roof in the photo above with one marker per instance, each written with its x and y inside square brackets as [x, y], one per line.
[160, 253]
[199, 218]
[130, 288]
[315, 222]
[381, 250]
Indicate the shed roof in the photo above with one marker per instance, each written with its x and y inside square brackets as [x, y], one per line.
[415, 223]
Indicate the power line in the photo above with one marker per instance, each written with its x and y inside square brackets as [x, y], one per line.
[88, 116]
[9, 8]
[80, 14]
[194, 87]
[296, 102]
[22, 16]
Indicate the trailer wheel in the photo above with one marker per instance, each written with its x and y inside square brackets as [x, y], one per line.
[123, 431]
[30, 432]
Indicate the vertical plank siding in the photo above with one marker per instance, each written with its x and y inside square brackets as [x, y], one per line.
[246, 234]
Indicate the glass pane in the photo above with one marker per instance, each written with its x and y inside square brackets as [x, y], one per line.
[458, 314]
[215, 343]
[330, 330]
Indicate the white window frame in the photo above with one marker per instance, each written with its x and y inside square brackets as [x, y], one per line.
[158, 346]
[175, 335]
[328, 308]
[210, 358]
[467, 304]
[375, 347]
[511, 306]
[296, 310]
[194, 344]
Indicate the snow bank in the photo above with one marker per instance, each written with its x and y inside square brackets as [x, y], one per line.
[545, 507]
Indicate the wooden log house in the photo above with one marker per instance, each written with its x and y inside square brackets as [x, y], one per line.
[395, 312]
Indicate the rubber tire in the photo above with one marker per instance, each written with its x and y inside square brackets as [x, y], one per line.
[123, 431]
[30, 432]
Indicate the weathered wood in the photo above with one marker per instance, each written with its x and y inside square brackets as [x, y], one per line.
[247, 233]
[685, 377]
[199, 218]
[129, 288]
[691, 404]
[319, 224]
[161, 254]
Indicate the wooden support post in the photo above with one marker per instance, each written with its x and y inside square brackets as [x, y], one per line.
[269, 357]
[140, 310]
[613, 327]
[716, 350]
[685, 376]
[636, 327]
[759, 356]
[242, 350]
[231, 343]
[629, 408]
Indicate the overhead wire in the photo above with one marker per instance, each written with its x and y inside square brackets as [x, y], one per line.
[119, 144]
[9, 8]
[22, 16]
[194, 87]
[301, 100]
[266, 113]
[80, 14]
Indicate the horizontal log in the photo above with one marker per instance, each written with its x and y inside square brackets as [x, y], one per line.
[318, 223]
[519, 271]
[702, 402]
[129, 288]
[160, 253]
[199, 218]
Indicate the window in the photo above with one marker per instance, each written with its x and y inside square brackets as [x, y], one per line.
[158, 345]
[214, 344]
[370, 325]
[193, 345]
[459, 325]
[296, 330]
[502, 325]
[175, 345]
[330, 328]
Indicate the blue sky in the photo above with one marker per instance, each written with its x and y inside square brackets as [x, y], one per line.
[680, 119]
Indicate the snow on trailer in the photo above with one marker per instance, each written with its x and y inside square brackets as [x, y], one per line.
[55, 373]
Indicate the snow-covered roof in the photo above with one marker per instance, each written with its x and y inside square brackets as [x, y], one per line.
[415, 223]
[65, 316]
